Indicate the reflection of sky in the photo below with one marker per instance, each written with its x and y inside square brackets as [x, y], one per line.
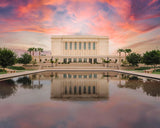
[31, 22]
[123, 111]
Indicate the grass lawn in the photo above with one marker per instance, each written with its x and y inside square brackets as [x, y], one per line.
[2, 72]
[25, 70]
[142, 71]
[156, 73]
[135, 70]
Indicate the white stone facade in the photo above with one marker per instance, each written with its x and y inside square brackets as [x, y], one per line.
[79, 48]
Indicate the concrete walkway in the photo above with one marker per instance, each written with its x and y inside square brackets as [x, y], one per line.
[11, 75]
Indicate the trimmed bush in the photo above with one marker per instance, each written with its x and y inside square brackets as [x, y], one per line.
[142, 68]
[16, 68]
[157, 70]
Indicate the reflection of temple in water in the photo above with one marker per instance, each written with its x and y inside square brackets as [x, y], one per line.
[81, 85]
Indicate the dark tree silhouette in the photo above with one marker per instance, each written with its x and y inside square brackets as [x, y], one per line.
[7, 88]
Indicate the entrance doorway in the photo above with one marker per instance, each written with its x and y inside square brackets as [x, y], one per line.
[90, 60]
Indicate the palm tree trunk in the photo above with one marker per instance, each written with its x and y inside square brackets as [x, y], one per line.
[39, 55]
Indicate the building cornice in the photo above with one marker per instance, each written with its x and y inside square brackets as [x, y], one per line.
[78, 37]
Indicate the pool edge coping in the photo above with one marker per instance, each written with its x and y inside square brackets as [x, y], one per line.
[12, 75]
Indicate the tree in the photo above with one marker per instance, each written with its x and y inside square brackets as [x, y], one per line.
[33, 50]
[134, 59]
[25, 58]
[7, 88]
[120, 51]
[30, 50]
[152, 58]
[7, 57]
[128, 51]
[40, 50]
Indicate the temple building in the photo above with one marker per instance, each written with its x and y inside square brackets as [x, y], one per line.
[81, 49]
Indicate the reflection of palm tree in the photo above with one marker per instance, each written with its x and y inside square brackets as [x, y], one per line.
[7, 88]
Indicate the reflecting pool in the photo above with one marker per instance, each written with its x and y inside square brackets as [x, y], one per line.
[79, 100]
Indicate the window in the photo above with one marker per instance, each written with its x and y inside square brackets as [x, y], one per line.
[80, 59]
[69, 60]
[65, 60]
[89, 45]
[69, 76]
[80, 76]
[75, 60]
[65, 45]
[84, 45]
[94, 45]
[85, 76]
[95, 75]
[80, 45]
[75, 45]
[74, 76]
[70, 45]
[64, 75]
[85, 60]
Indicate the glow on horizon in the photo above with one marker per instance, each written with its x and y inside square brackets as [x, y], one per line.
[30, 23]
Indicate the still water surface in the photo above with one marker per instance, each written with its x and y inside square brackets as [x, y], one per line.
[79, 100]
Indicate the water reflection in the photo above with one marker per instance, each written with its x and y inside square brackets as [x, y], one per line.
[79, 86]
[27, 82]
[39, 101]
[7, 88]
[150, 87]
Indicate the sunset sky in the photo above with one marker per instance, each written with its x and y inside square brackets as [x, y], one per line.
[30, 23]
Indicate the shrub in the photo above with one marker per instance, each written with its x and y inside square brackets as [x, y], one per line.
[1, 70]
[142, 68]
[157, 70]
[16, 68]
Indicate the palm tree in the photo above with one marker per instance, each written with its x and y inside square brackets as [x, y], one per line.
[128, 51]
[39, 50]
[30, 50]
[120, 51]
